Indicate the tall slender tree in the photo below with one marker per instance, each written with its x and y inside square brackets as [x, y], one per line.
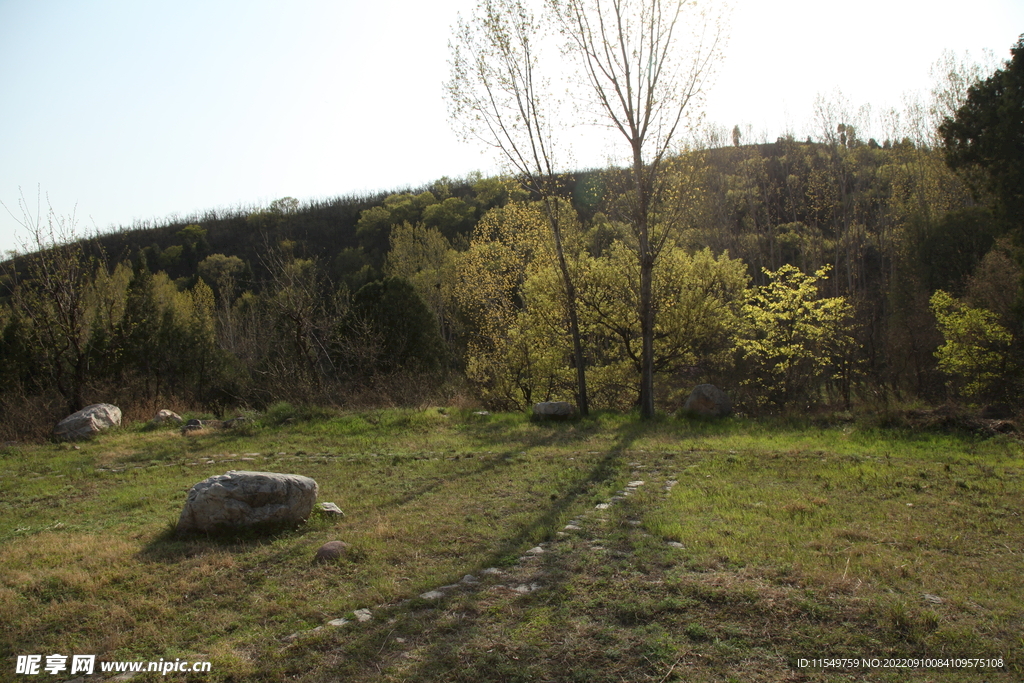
[497, 95]
[646, 64]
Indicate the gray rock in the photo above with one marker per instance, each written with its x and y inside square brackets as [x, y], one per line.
[329, 510]
[363, 615]
[192, 426]
[163, 416]
[707, 400]
[553, 410]
[88, 421]
[331, 551]
[242, 499]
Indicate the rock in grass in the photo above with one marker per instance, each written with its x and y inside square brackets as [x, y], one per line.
[242, 499]
[553, 410]
[329, 510]
[163, 416]
[331, 551]
[707, 400]
[88, 421]
[192, 426]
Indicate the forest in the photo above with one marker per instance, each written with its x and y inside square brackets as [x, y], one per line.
[797, 274]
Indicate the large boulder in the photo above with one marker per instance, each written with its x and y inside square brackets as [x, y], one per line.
[88, 421]
[553, 410]
[707, 400]
[241, 499]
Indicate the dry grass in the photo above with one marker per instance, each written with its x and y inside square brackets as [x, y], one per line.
[797, 543]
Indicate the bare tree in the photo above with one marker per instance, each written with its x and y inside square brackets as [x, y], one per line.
[52, 296]
[646, 63]
[497, 95]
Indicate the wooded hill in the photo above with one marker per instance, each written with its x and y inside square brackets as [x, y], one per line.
[794, 273]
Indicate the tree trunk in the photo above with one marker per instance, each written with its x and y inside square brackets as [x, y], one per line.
[583, 403]
[643, 188]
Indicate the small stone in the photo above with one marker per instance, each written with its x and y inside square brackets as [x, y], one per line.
[432, 595]
[470, 580]
[336, 622]
[363, 615]
[634, 484]
[934, 599]
[526, 588]
[492, 571]
[535, 551]
[571, 527]
[331, 551]
[329, 509]
[602, 506]
[677, 545]
[165, 415]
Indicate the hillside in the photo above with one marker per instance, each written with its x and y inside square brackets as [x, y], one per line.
[265, 303]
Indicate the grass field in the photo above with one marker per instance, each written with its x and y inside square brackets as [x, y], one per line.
[598, 550]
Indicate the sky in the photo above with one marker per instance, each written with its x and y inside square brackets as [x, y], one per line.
[124, 112]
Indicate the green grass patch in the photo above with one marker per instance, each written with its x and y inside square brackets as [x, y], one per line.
[798, 541]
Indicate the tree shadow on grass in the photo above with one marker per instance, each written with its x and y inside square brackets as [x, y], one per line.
[435, 659]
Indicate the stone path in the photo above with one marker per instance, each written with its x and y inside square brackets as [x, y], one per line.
[526, 575]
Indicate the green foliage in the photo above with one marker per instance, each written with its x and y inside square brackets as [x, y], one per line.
[510, 361]
[425, 258]
[406, 331]
[224, 274]
[976, 352]
[793, 338]
[698, 301]
[952, 247]
[452, 217]
[375, 224]
[987, 132]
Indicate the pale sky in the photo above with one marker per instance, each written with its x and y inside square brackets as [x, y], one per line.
[134, 110]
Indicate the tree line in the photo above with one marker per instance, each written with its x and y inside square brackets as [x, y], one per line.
[791, 273]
